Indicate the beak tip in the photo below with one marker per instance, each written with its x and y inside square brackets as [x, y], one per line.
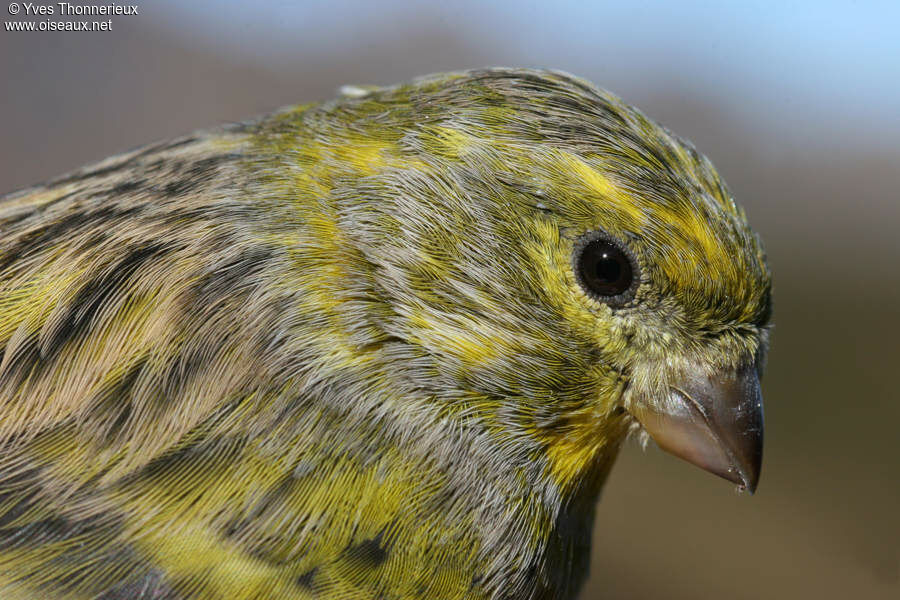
[749, 481]
[746, 477]
[750, 476]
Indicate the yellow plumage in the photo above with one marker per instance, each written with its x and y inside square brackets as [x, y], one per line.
[356, 350]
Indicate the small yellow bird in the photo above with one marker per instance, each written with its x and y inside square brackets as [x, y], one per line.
[384, 347]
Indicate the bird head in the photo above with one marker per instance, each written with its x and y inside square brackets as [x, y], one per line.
[557, 266]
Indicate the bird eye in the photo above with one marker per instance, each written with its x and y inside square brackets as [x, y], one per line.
[605, 270]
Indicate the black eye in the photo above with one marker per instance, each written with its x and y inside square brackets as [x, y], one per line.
[604, 269]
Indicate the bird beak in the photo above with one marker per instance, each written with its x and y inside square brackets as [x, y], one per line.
[714, 422]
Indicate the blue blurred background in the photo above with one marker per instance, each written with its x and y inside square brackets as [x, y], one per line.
[798, 104]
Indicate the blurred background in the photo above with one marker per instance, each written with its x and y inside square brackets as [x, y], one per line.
[798, 104]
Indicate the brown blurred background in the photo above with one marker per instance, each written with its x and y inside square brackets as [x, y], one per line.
[800, 110]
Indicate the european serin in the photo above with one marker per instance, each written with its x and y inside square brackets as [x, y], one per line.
[382, 347]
